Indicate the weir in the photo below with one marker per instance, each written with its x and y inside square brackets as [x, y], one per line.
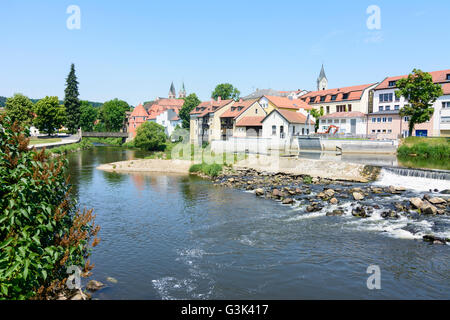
[421, 173]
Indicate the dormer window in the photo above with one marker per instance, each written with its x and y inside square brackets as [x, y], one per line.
[448, 76]
[345, 96]
[392, 83]
[333, 97]
[322, 98]
[311, 100]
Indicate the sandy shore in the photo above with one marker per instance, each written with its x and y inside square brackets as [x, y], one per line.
[148, 165]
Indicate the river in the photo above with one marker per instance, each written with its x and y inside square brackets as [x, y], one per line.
[181, 237]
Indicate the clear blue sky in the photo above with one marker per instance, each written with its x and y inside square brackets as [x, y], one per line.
[133, 50]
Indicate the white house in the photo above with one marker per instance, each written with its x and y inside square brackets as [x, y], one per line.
[354, 123]
[169, 119]
[285, 124]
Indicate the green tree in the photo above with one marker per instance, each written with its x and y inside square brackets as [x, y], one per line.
[316, 114]
[190, 102]
[112, 114]
[150, 136]
[19, 108]
[225, 91]
[50, 115]
[88, 116]
[421, 92]
[71, 101]
[41, 232]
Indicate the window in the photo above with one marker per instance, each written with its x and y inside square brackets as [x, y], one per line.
[389, 131]
[397, 107]
[446, 104]
[389, 119]
[274, 130]
[256, 111]
[397, 98]
[322, 98]
[349, 108]
[311, 100]
[448, 76]
[373, 131]
[384, 131]
[345, 96]
[386, 97]
[343, 120]
[388, 108]
[293, 130]
[392, 83]
[333, 97]
[406, 119]
[445, 119]
[384, 119]
[336, 120]
[328, 109]
[340, 108]
[378, 119]
[378, 130]
[381, 108]
[374, 120]
[330, 121]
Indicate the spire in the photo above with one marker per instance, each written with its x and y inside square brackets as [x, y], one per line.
[322, 81]
[322, 74]
[172, 93]
[183, 91]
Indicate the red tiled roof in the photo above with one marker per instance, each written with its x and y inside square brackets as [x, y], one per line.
[139, 111]
[291, 116]
[438, 77]
[284, 102]
[238, 108]
[352, 114]
[210, 106]
[250, 122]
[354, 93]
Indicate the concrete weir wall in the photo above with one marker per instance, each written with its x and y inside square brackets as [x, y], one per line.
[360, 146]
[252, 145]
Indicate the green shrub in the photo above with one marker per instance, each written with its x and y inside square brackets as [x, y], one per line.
[212, 170]
[150, 136]
[424, 150]
[41, 232]
[307, 180]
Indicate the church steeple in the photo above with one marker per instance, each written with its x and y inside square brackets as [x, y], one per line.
[182, 92]
[172, 93]
[322, 81]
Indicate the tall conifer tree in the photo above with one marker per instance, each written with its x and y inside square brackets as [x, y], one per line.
[71, 101]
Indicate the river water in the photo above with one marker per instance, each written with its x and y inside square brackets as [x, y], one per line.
[181, 237]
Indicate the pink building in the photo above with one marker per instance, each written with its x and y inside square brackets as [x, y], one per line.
[385, 121]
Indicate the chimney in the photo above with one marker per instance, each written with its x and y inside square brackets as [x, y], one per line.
[219, 99]
[240, 100]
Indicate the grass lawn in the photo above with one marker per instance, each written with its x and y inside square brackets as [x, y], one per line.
[35, 140]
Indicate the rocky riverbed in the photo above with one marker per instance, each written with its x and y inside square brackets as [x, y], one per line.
[340, 198]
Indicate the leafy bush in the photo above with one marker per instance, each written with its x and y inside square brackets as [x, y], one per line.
[307, 180]
[84, 144]
[435, 150]
[212, 170]
[41, 232]
[150, 136]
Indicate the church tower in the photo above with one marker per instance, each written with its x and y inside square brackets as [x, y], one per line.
[182, 92]
[172, 93]
[322, 81]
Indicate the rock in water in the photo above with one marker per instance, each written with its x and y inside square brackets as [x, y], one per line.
[288, 201]
[437, 200]
[329, 192]
[334, 201]
[94, 285]
[358, 196]
[259, 192]
[416, 202]
[434, 240]
[336, 212]
[428, 208]
[111, 279]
